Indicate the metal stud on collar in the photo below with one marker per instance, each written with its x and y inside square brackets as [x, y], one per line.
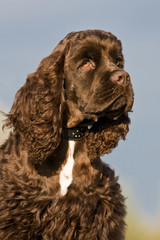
[75, 134]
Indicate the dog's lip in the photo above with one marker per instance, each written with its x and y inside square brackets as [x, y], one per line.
[92, 117]
[87, 122]
[114, 111]
[106, 112]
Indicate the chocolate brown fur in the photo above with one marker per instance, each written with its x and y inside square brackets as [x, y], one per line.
[81, 83]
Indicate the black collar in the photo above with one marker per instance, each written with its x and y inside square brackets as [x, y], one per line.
[74, 134]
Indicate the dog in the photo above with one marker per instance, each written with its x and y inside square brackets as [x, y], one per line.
[71, 110]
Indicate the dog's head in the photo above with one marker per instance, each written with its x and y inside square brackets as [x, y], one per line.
[81, 83]
[96, 83]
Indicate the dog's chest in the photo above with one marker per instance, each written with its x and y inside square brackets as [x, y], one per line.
[66, 177]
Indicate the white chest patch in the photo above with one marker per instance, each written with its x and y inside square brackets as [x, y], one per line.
[65, 177]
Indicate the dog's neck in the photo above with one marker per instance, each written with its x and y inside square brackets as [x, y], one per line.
[68, 166]
[72, 166]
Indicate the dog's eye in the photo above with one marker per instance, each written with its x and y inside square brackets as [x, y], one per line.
[87, 64]
[119, 62]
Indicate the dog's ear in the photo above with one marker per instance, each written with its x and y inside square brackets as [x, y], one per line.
[104, 136]
[37, 110]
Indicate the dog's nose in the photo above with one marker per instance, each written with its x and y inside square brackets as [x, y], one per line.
[120, 77]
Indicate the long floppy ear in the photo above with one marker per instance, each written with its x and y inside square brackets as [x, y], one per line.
[105, 135]
[37, 110]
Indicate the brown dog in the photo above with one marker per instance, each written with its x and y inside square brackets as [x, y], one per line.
[71, 110]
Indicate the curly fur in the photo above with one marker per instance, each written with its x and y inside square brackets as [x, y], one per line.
[64, 92]
[104, 136]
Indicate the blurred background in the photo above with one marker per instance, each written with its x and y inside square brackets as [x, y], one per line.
[29, 30]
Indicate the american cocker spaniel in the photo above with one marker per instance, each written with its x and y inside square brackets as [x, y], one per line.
[71, 110]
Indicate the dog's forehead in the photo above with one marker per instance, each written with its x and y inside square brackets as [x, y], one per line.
[94, 46]
[92, 40]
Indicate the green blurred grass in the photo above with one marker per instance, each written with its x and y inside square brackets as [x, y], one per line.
[139, 229]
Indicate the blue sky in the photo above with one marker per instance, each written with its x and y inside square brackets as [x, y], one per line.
[29, 30]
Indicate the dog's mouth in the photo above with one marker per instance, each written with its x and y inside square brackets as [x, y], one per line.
[109, 113]
[115, 114]
[112, 112]
[113, 109]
